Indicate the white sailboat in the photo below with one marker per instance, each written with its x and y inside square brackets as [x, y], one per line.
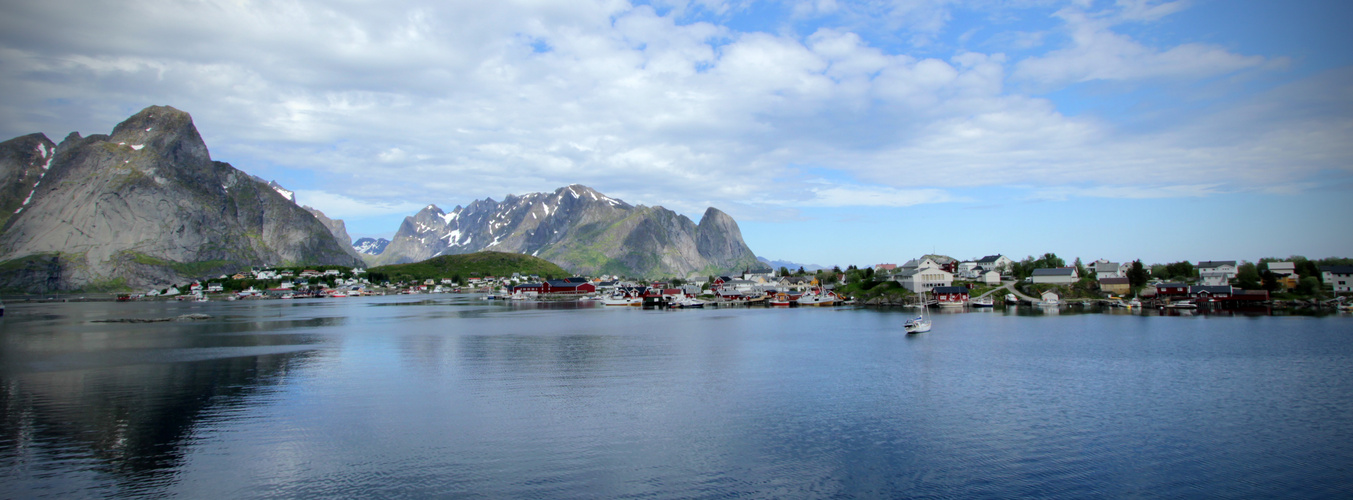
[921, 323]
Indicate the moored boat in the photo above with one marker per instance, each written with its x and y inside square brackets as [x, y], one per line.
[919, 324]
[984, 301]
[1011, 299]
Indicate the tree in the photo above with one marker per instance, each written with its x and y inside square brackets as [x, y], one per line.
[784, 271]
[1182, 270]
[1080, 269]
[1137, 274]
[1247, 276]
[1268, 278]
[1309, 269]
[1308, 286]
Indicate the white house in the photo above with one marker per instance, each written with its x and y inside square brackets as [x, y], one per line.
[1106, 269]
[1216, 273]
[991, 277]
[924, 279]
[924, 263]
[1056, 275]
[996, 262]
[1338, 277]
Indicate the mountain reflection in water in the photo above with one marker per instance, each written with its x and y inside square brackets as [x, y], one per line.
[450, 396]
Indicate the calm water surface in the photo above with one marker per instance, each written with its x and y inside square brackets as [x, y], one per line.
[409, 396]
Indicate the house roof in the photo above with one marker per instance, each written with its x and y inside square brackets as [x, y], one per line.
[989, 258]
[1216, 263]
[950, 289]
[1211, 289]
[1114, 281]
[1055, 271]
[1337, 269]
[1170, 285]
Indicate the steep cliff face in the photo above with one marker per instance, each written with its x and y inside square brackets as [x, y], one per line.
[336, 226]
[24, 161]
[145, 206]
[581, 230]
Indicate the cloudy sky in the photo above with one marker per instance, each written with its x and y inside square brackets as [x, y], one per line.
[834, 131]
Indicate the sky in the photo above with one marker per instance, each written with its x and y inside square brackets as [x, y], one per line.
[835, 132]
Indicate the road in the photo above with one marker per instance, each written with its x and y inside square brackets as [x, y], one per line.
[1010, 288]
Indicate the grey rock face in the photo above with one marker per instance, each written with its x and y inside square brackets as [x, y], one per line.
[336, 226]
[146, 206]
[579, 229]
[23, 163]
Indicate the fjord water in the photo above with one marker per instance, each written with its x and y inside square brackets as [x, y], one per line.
[448, 396]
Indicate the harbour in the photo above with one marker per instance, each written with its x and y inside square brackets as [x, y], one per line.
[447, 395]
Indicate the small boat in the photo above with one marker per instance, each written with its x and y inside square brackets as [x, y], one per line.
[1134, 303]
[919, 324]
[689, 302]
[982, 302]
[1011, 299]
[1182, 304]
[781, 300]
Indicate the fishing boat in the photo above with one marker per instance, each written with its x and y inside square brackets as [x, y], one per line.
[622, 299]
[984, 301]
[818, 297]
[781, 300]
[921, 323]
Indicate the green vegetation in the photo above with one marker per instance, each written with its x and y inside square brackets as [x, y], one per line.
[201, 269]
[477, 264]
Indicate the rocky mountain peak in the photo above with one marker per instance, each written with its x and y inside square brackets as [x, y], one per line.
[146, 205]
[166, 130]
[578, 228]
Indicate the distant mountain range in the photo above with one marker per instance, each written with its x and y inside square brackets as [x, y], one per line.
[580, 229]
[144, 206]
[792, 266]
[370, 246]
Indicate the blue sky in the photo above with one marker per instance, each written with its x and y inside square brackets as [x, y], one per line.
[835, 132]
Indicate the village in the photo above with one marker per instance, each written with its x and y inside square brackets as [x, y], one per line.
[928, 280]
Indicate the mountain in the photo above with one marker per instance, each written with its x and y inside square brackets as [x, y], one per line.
[336, 226]
[144, 206]
[792, 266]
[24, 161]
[579, 229]
[370, 246]
[478, 264]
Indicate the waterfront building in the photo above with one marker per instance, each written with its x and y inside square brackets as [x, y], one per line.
[924, 279]
[1117, 286]
[1056, 275]
[951, 295]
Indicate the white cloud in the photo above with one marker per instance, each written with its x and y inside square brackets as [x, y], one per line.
[337, 206]
[398, 105]
[1099, 53]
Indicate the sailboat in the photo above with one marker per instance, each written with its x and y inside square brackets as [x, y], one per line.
[919, 324]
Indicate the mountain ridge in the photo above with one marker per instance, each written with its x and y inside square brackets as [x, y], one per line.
[144, 206]
[578, 228]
